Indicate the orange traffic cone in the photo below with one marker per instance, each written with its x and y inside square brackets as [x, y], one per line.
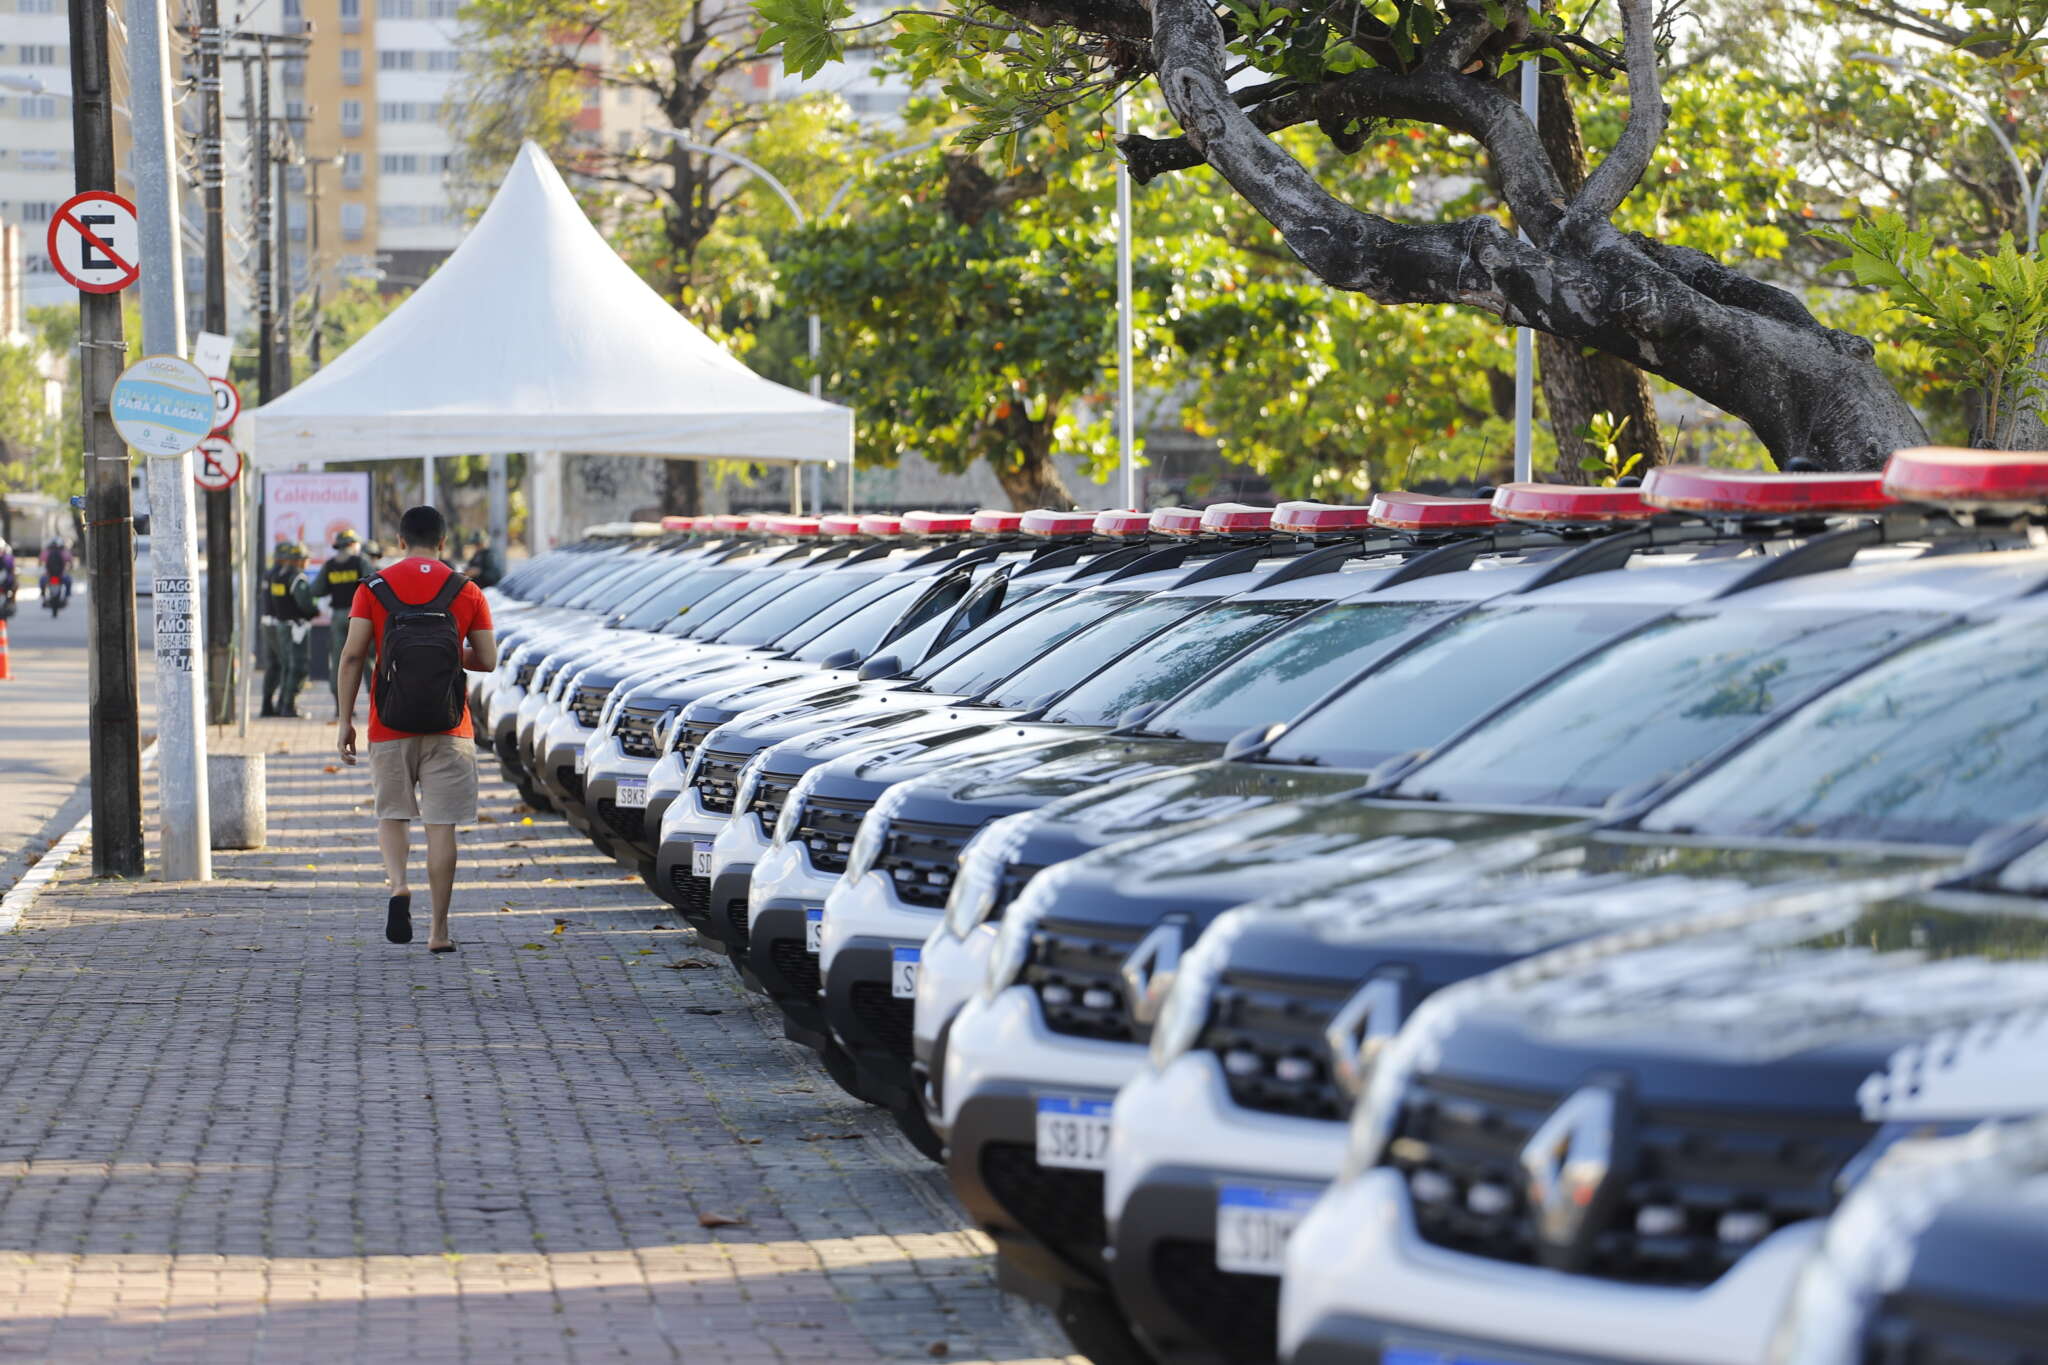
[4, 674]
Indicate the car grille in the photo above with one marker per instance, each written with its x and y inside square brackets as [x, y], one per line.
[571, 780]
[635, 731]
[522, 677]
[1460, 1145]
[687, 739]
[1268, 1035]
[923, 859]
[1076, 972]
[1014, 878]
[883, 1017]
[1912, 1331]
[588, 704]
[1239, 1315]
[717, 780]
[737, 915]
[770, 795]
[827, 828]
[1061, 1209]
[627, 822]
[798, 966]
[692, 893]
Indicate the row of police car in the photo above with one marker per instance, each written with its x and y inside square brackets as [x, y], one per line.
[1572, 925]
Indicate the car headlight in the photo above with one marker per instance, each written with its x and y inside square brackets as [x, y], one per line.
[665, 728]
[983, 864]
[1185, 1010]
[749, 779]
[792, 817]
[867, 841]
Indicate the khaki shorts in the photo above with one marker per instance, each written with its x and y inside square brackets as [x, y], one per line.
[425, 777]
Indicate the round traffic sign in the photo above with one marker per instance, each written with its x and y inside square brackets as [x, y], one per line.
[227, 404]
[162, 405]
[94, 243]
[216, 464]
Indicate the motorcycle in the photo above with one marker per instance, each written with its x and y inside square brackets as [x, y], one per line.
[56, 593]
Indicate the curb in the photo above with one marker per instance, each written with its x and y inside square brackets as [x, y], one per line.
[23, 893]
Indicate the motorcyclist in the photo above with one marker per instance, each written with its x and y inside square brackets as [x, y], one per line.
[10, 581]
[56, 560]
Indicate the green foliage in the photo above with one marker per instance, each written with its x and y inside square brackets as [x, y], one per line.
[1987, 315]
[39, 449]
[1607, 464]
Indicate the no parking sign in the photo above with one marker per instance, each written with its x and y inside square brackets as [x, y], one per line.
[216, 464]
[94, 242]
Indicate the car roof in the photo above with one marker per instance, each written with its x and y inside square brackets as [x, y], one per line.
[1938, 582]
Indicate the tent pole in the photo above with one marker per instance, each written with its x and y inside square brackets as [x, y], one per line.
[501, 505]
[430, 488]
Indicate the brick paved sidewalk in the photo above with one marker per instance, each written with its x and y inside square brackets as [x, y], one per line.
[239, 1126]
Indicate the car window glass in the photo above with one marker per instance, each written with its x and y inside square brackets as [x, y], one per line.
[742, 584]
[1656, 703]
[1086, 651]
[606, 587]
[1455, 675]
[702, 585]
[714, 619]
[1938, 745]
[658, 607]
[871, 588]
[1009, 614]
[789, 606]
[980, 669]
[1167, 662]
[864, 629]
[1296, 666]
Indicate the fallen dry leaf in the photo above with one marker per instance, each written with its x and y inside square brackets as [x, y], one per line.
[247, 949]
[700, 1009]
[937, 1350]
[487, 819]
[331, 768]
[535, 947]
[664, 926]
[719, 1220]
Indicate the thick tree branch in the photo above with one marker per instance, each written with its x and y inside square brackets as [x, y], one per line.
[1108, 18]
[1612, 180]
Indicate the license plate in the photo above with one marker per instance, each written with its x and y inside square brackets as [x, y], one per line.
[1073, 1133]
[1253, 1223]
[1401, 1354]
[632, 795]
[814, 931]
[700, 860]
[903, 972]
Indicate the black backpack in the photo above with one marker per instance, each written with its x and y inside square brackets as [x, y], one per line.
[420, 687]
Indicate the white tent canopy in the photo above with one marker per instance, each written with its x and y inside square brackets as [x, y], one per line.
[535, 336]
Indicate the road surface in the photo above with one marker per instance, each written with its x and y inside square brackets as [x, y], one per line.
[43, 754]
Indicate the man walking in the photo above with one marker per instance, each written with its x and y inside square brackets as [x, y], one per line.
[429, 625]
[337, 581]
[288, 612]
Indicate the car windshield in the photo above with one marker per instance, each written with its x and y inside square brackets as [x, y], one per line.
[659, 605]
[611, 583]
[974, 672]
[1015, 608]
[1087, 651]
[871, 591]
[1166, 663]
[1451, 677]
[715, 619]
[1285, 673]
[792, 607]
[1656, 703]
[1937, 745]
[737, 584]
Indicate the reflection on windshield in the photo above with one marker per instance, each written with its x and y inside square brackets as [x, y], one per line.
[1088, 650]
[980, 669]
[1168, 662]
[1938, 745]
[1653, 705]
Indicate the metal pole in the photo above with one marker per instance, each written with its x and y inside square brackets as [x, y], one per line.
[183, 824]
[266, 279]
[1126, 388]
[113, 736]
[1525, 339]
[281, 222]
[501, 505]
[221, 657]
[430, 487]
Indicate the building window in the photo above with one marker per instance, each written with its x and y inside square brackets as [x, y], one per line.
[354, 219]
[294, 111]
[442, 9]
[351, 170]
[394, 59]
[398, 163]
[351, 66]
[351, 118]
[294, 9]
[39, 106]
[37, 6]
[396, 9]
[404, 111]
[441, 59]
[38, 211]
[38, 54]
[351, 16]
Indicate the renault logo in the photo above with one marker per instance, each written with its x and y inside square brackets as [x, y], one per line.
[1149, 971]
[1568, 1168]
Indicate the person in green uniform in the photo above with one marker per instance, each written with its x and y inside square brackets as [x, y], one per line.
[485, 567]
[337, 581]
[288, 612]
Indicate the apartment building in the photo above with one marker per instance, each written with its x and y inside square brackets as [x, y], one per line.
[35, 134]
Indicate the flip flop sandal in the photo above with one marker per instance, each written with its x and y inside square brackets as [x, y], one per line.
[398, 920]
[444, 948]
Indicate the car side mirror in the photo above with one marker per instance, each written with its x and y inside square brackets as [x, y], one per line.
[1038, 708]
[1394, 769]
[1135, 716]
[845, 658]
[1245, 743]
[882, 666]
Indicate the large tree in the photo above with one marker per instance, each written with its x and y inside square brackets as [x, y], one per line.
[1234, 73]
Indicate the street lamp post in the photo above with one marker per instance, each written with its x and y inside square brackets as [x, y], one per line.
[2032, 198]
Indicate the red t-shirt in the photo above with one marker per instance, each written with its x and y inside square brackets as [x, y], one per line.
[414, 581]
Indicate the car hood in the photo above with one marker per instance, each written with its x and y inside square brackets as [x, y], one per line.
[849, 704]
[977, 790]
[787, 689]
[865, 774]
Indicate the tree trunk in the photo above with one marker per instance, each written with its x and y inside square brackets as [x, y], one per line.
[1579, 385]
[2029, 428]
[681, 494]
[1030, 478]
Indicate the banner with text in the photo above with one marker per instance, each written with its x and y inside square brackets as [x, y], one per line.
[312, 509]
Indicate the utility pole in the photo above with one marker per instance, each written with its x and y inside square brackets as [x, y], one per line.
[266, 280]
[221, 659]
[281, 220]
[112, 732]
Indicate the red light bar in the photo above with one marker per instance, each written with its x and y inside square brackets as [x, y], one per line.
[989, 522]
[1236, 519]
[937, 523]
[839, 524]
[1177, 521]
[876, 525]
[726, 523]
[1045, 522]
[678, 523]
[1122, 525]
[1400, 511]
[1319, 518]
[1941, 474]
[793, 526]
[1753, 492]
[1565, 502]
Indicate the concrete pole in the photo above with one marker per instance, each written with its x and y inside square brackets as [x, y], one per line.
[430, 487]
[543, 500]
[182, 813]
[501, 505]
[1525, 339]
[1126, 417]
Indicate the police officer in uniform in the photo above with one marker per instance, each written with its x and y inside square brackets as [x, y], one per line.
[484, 568]
[288, 611]
[337, 581]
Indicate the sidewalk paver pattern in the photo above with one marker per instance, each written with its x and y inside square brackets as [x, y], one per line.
[239, 1126]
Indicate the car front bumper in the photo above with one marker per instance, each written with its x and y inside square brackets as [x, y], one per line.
[950, 972]
[606, 766]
